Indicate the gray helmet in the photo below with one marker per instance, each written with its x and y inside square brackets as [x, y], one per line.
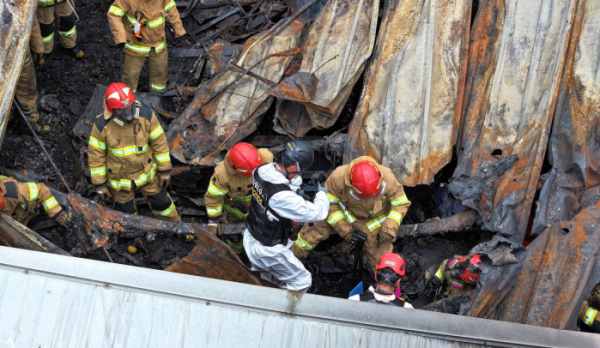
[298, 152]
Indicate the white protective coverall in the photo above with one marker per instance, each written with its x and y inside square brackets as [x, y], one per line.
[279, 261]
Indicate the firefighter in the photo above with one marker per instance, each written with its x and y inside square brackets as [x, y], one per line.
[64, 11]
[453, 277]
[274, 207]
[26, 91]
[230, 189]
[588, 313]
[138, 27]
[128, 150]
[23, 201]
[364, 196]
[389, 272]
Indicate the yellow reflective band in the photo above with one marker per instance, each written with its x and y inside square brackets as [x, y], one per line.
[68, 33]
[375, 224]
[162, 157]
[439, 274]
[332, 199]
[156, 23]
[399, 201]
[98, 171]
[160, 47]
[48, 38]
[136, 48]
[132, 20]
[24, 206]
[156, 133]
[33, 191]
[119, 184]
[395, 216]
[46, 2]
[349, 216]
[158, 88]
[215, 211]
[97, 143]
[304, 245]
[50, 203]
[116, 11]
[128, 150]
[170, 5]
[589, 317]
[233, 246]
[165, 212]
[215, 191]
[235, 212]
[146, 177]
[242, 199]
[334, 218]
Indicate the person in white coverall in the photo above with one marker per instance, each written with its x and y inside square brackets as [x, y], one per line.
[274, 207]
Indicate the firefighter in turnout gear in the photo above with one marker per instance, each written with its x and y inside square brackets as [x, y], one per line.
[588, 313]
[23, 201]
[274, 208]
[230, 189]
[64, 12]
[389, 272]
[364, 196]
[138, 26]
[128, 150]
[26, 91]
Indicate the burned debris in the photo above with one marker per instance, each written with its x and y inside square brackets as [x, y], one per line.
[484, 111]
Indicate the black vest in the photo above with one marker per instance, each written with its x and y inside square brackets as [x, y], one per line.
[370, 297]
[268, 233]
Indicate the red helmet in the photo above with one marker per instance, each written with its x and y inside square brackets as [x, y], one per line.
[393, 261]
[472, 271]
[365, 179]
[118, 96]
[244, 158]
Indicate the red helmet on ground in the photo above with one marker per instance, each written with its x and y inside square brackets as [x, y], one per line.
[393, 261]
[472, 272]
[118, 96]
[365, 179]
[244, 158]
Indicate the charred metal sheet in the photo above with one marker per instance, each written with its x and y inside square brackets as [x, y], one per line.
[574, 142]
[335, 52]
[100, 226]
[199, 136]
[410, 107]
[16, 17]
[517, 53]
[552, 283]
[17, 235]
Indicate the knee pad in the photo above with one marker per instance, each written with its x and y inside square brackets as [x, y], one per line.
[47, 29]
[67, 23]
[127, 207]
[160, 201]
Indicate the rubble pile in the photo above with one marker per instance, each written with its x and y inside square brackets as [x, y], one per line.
[484, 110]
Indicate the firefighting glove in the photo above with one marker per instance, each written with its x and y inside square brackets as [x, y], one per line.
[434, 286]
[383, 237]
[164, 179]
[594, 297]
[63, 219]
[103, 192]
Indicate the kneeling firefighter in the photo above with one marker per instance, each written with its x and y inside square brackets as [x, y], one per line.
[230, 189]
[128, 150]
[274, 207]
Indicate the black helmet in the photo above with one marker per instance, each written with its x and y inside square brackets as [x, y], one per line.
[300, 153]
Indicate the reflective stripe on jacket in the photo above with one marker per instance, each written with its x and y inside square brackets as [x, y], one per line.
[125, 154]
[226, 186]
[19, 194]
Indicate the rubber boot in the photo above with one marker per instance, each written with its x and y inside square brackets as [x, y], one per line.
[75, 52]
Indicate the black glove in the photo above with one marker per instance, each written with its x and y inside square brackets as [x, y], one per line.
[121, 45]
[63, 219]
[433, 286]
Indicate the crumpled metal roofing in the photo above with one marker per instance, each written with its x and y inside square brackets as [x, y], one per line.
[518, 49]
[335, 52]
[574, 144]
[16, 18]
[199, 136]
[410, 107]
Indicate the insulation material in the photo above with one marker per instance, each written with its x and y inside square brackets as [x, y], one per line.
[517, 53]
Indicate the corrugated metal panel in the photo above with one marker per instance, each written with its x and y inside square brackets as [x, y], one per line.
[410, 107]
[199, 136]
[575, 141]
[335, 52]
[55, 301]
[16, 17]
[517, 52]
